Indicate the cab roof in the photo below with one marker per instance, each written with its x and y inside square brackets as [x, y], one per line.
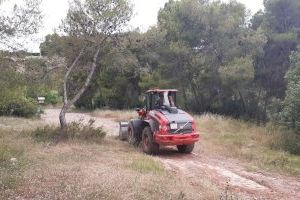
[162, 90]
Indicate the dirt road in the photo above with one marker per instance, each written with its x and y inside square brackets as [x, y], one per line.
[227, 174]
[51, 117]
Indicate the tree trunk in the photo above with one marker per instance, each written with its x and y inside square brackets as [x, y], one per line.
[63, 123]
[69, 103]
[243, 103]
[184, 97]
[200, 103]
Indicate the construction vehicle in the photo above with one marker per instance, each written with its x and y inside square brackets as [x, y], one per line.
[160, 123]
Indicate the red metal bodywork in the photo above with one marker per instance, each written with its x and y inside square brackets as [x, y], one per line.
[164, 137]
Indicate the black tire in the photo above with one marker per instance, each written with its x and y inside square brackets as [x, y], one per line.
[185, 148]
[132, 139]
[149, 146]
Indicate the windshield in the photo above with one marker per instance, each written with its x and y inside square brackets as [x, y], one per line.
[164, 99]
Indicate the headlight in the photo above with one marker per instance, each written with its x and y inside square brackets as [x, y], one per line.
[163, 127]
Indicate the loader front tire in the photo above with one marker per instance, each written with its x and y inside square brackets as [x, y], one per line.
[148, 144]
[132, 138]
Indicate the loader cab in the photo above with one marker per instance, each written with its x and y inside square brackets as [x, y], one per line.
[161, 99]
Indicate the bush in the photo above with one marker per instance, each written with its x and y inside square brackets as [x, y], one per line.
[75, 131]
[20, 107]
[289, 115]
[52, 97]
[46, 133]
[288, 142]
[279, 138]
[86, 132]
[23, 108]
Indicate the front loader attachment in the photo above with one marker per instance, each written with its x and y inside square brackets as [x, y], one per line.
[123, 132]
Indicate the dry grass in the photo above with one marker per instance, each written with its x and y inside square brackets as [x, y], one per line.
[116, 115]
[115, 170]
[76, 131]
[76, 170]
[263, 147]
[146, 164]
[19, 124]
[258, 146]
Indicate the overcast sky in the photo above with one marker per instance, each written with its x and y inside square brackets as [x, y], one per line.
[145, 15]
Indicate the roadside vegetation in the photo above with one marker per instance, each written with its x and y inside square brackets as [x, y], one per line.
[84, 169]
[245, 71]
[85, 166]
[76, 131]
[269, 148]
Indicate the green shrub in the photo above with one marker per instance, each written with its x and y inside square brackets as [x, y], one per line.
[20, 107]
[13, 101]
[24, 108]
[75, 131]
[292, 144]
[289, 115]
[282, 139]
[86, 132]
[52, 97]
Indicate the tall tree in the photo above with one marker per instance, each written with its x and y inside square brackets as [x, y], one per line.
[290, 114]
[203, 37]
[19, 23]
[92, 22]
[281, 24]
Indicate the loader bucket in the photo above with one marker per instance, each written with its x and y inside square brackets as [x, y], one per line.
[123, 132]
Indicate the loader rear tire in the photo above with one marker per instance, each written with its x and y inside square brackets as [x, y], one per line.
[148, 144]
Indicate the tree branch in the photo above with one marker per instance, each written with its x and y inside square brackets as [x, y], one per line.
[68, 74]
[88, 79]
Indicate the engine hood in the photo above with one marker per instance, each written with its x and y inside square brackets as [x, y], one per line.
[179, 117]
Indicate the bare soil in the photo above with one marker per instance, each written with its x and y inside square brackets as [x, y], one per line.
[232, 175]
[229, 175]
[50, 116]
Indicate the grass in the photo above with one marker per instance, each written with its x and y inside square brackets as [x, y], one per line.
[19, 124]
[261, 147]
[76, 131]
[146, 164]
[111, 169]
[116, 115]
[76, 169]
[13, 160]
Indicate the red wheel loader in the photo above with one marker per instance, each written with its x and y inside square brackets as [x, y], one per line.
[161, 123]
